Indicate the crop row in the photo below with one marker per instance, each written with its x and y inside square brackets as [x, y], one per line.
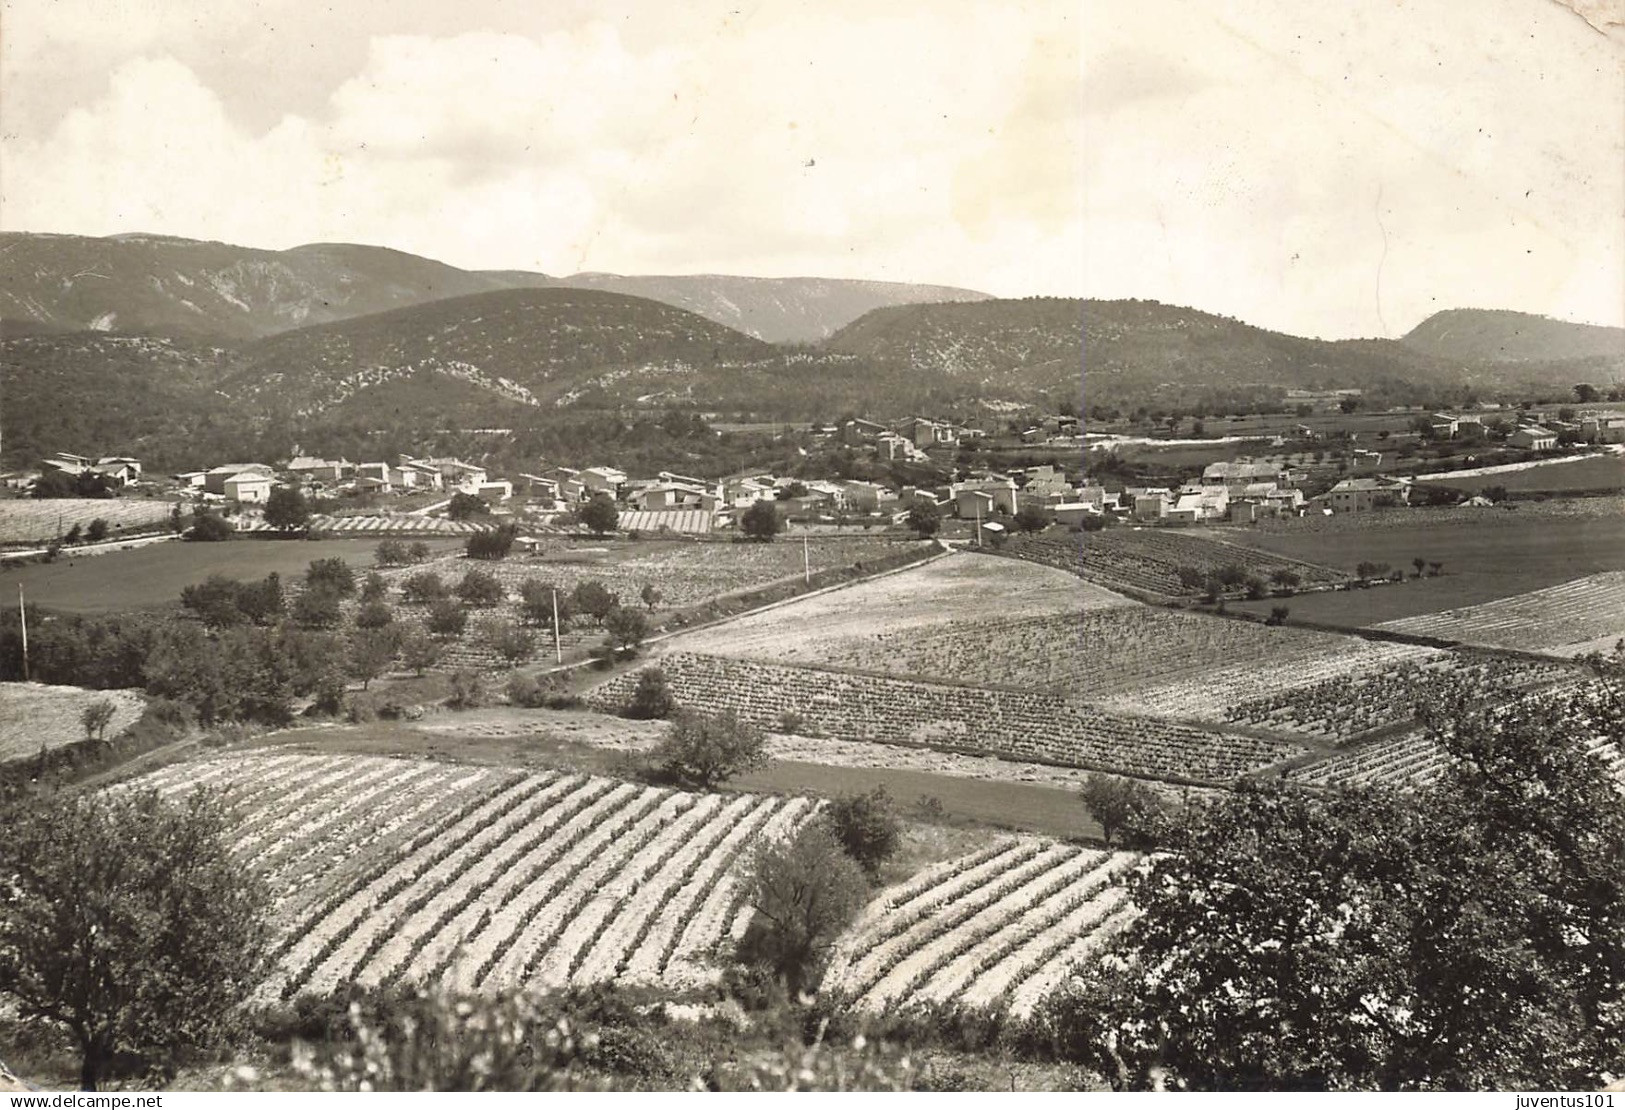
[24, 520]
[980, 929]
[393, 870]
[1345, 706]
[1020, 724]
[1572, 612]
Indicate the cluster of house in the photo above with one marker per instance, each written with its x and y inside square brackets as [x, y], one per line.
[1535, 432]
[251, 483]
[118, 471]
[1247, 491]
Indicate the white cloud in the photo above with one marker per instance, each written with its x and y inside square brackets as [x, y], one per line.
[869, 145]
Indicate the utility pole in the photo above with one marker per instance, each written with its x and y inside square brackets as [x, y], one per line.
[978, 522]
[806, 561]
[22, 613]
[558, 645]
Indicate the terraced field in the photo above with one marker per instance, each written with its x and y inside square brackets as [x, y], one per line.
[997, 929]
[1023, 724]
[1585, 613]
[381, 524]
[389, 870]
[35, 716]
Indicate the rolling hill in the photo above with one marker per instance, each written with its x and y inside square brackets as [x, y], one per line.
[530, 347]
[156, 284]
[1490, 335]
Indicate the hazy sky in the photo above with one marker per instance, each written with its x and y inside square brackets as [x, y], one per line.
[1333, 168]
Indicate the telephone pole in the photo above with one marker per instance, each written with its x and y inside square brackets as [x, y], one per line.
[806, 561]
[558, 645]
[22, 614]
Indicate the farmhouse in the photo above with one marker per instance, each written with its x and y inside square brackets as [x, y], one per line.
[929, 433]
[984, 495]
[1239, 475]
[307, 468]
[1603, 427]
[248, 488]
[1358, 495]
[1533, 438]
[214, 481]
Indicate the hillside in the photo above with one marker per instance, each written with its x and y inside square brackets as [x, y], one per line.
[991, 347]
[161, 284]
[1488, 335]
[530, 347]
[87, 392]
[151, 283]
[779, 310]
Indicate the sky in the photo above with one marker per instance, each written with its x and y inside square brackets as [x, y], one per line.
[1341, 168]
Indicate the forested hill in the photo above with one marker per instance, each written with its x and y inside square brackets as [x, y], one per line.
[535, 347]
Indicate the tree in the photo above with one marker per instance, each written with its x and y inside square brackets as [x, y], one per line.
[1031, 518]
[923, 520]
[125, 921]
[493, 543]
[537, 601]
[627, 629]
[592, 598]
[1120, 805]
[209, 527]
[73, 535]
[286, 510]
[480, 588]
[466, 506]
[374, 614]
[1585, 393]
[1348, 405]
[419, 552]
[373, 587]
[704, 750]
[867, 828]
[95, 718]
[419, 650]
[1367, 571]
[1278, 615]
[1470, 937]
[1419, 563]
[371, 651]
[651, 698]
[214, 600]
[805, 891]
[599, 515]
[447, 618]
[262, 602]
[423, 587]
[318, 608]
[1435, 568]
[651, 596]
[761, 521]
[391, 553]
[333, 575]
[510, 641]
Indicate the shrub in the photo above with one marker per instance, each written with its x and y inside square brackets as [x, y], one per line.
[317, 608]
[866, 826]
[627, 629]
[531, 691]
[466, 506]
[513, 643]
[373, 587]
[594, 599]
[374, 614]
[467, 689]
[97, 531]
[419, 552]
[651, 699]
[209, 528]
[391, 553]
[761, 521]
[805, 891]
[704, 750]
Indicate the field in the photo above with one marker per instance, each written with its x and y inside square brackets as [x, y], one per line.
[24, 520]
[996, 929]
[33, 716]
[1148, 559]
[1486, 554]
[1580, 475]
[973, 605]
[686, 573]
[152, 577]
[389, 871]
[1015, 723]
[1587, 611]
